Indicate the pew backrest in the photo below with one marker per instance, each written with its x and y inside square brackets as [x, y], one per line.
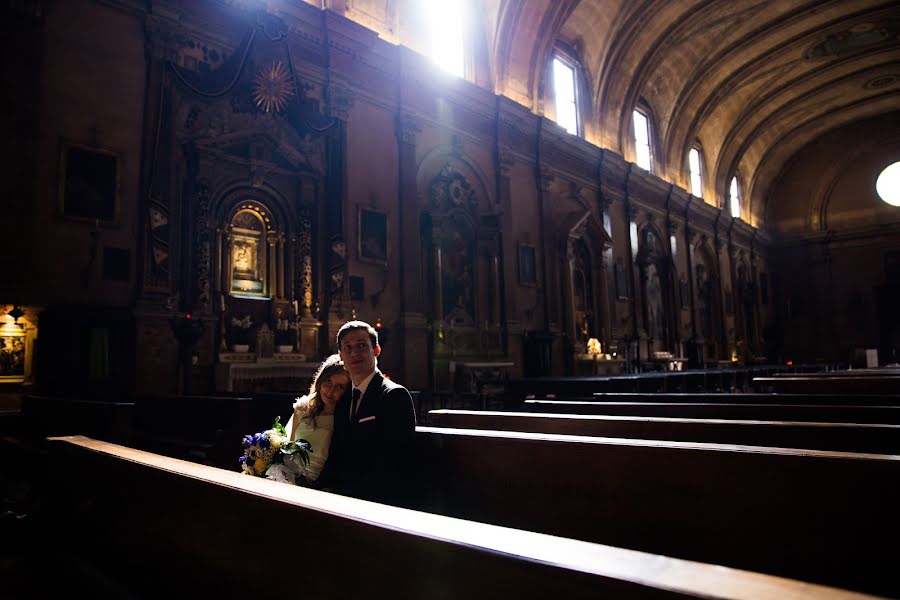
[235, 534]
[811, 515]
[846, 437]
[713, 410]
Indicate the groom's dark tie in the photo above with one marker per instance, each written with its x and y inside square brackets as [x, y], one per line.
[356, 396]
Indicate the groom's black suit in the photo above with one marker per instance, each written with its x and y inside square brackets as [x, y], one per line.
[374, 444]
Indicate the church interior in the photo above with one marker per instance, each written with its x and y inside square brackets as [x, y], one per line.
[634, 237]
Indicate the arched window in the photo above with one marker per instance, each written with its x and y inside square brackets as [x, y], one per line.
[446, 32]
[694, 164]
[565, 86]
[642, 140]
[734, 194]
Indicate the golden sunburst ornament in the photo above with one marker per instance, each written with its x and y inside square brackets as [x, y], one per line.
[272, 88]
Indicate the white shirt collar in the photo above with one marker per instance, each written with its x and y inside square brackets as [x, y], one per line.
[365, 383]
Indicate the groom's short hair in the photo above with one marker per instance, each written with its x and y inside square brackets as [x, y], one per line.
[351, 325]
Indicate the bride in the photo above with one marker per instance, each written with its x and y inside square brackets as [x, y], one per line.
[313, 421]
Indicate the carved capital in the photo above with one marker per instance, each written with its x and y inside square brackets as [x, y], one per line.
[506, 162]
[545, 180]
[689, 234]
[340, 101]
[407, 128]
[671, 226]
[630, 211]
[160, 39]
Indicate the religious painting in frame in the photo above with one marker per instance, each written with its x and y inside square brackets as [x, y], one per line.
[527, 265]
[372, 236]
[12, 356]
[89, 182]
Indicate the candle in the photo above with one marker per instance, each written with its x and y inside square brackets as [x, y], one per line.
[222, 302]
[296, 311]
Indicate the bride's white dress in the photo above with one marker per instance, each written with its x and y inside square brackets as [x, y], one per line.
[318, 433]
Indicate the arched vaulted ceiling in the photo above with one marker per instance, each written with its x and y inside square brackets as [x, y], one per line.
[751, 82]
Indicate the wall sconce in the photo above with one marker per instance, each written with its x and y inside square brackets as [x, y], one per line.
[17, 313]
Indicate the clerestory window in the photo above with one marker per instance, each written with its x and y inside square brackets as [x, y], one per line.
[565, 93]
[696, 174]
[644, 157]
[735, 198]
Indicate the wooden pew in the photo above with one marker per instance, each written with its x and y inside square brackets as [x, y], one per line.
[712, 410]
[845, 437]
[194, 529]
[205, 429]
[811, 515]
[835, 384]
[749, 398]
[698, 380]
[44, 416]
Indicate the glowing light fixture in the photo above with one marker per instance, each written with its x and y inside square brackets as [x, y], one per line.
[17, 313]
[888, 184]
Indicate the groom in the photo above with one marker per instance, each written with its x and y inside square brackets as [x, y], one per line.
[374, 427]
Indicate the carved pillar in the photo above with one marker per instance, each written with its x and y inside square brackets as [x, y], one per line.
[309, 325]
[507, 267]
[412, 319]
[631, 236]
[544, 184]
[720, 292]
[279, 266]
[438, 276]
[338, 104]
[219, 258]
[495, 287]
[271, 264]
[229, 260]
[290, 253]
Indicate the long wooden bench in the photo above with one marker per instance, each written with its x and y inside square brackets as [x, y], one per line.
[205, 429]
[152, 526]
[712, 410]
[873, 384]
[697, 380]
[44, 416]
[749, 398]
[811, 515]
[845, 437]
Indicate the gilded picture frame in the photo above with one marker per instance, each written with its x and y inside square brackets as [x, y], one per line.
[12, 356]
[90, 182]
[372, 236]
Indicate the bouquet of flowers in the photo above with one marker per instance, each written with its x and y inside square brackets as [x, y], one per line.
[285, 331]
[240, 330]
[272, 447]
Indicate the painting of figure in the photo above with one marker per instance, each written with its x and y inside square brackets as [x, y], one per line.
[12, 356]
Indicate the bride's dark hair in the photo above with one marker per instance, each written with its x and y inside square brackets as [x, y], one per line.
[330, 366]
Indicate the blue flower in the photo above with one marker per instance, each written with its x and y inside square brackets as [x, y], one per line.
[264, 442]
[247, 441]
[242, 459]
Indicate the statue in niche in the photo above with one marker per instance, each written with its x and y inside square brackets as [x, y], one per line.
[582, 292]
[704, 302]
[654, 303]
[456, 275]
